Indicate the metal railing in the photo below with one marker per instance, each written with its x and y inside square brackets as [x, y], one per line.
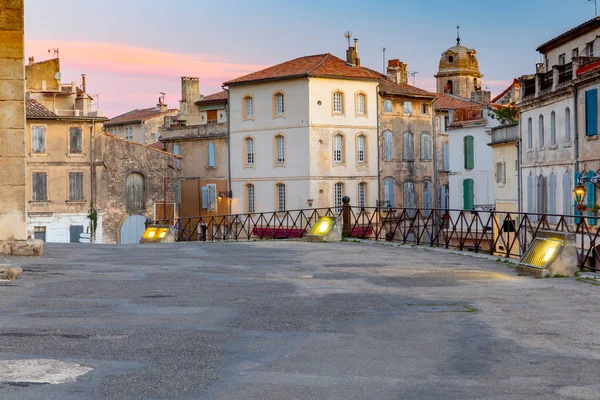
[565, 73]
[546, 80]
[505, 234]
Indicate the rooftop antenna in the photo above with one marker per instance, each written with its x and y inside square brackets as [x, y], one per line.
[457, 34]
[348, 36]
[55, 51]
[383, 49]
[595, 7]
[413, 74]
[161, 99]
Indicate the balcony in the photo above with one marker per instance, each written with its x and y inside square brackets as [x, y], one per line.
[529, 87]
[546, 80]
[506, 133]
[565, 73]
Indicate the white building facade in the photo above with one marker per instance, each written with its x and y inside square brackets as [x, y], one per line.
[303, 134]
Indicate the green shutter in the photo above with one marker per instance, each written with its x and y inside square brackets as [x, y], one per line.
[469, 153]
[468, 194]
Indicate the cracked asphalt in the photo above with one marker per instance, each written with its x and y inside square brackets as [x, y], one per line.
[297, 320]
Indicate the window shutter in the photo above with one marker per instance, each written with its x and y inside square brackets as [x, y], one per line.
[503, 172]
[211, 154]
[205, 202]
[591, 195]
[446, 157]
[469, 154]
[75, 138]
[468, 194]
[39, 186]
[552, 196]
[76, 186]
[39, 139]
[212, 197]
[591, 112]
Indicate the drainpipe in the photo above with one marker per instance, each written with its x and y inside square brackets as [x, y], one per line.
[228, 147]
[576, 131]
[519, 178]
[92, 177]
[436, 194]
[378, 149]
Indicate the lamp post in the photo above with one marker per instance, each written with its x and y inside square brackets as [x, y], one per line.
[579, 194]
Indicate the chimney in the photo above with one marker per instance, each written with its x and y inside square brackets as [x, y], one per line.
[397, 72]
[190, 92]
[352, 55]
[31, 60]
[73, 87]
[83, 83]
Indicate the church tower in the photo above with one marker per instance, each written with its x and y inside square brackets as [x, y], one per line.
[458, 73]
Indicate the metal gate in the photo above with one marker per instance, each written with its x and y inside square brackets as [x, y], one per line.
[132, 229]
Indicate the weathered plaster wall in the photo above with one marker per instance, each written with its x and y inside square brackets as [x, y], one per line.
[12, 122]
[43, 76]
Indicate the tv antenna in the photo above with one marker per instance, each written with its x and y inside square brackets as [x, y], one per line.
[413, 74]
[595, 7]
[55, 51]
[348, 36]
[383, 49]
[161, 99]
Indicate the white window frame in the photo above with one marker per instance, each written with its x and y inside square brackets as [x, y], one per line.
[209, 197]
[280, 143]
[360, 148]
[360, 104]
[250, 198]
[338, 193]
[280, 99]
[362, 194]
[249, 149]
[281, 197]
[249, 107]
[338, 102]
[338, 148]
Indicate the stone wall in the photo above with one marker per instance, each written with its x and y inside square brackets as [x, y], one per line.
[12, 122]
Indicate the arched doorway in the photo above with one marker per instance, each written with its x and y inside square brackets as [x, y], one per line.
[132, 229]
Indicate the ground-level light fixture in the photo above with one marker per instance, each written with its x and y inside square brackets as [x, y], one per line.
[157, 234]
[579, 194]
[323, 230]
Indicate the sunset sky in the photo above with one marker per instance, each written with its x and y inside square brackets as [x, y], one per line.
[131, 50]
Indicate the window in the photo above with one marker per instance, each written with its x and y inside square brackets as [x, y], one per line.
[542, 196]
[75, 140]
[591, 112]
[338, 194]
[567, 196]
[388, 192]
[408, 147]
[387, 106]
[279, 104]
[248, 107]
[209, 197]
[407, 108]
[249, 151]
[541, 132]
[388, 146]
[425, 146]
[39, 186]
[280, 197]
[468, 194]
[76, 186]
[575, 53]
[552, 196]
[338, 102]
[409, 197]
[135, 189]
[530, 133]
[250, 198]
[442, 123]
[500, 172]
[211, 117]
[211, 155]
[39, 233]
[360, 104]
[469, 152]
[176, 152]
[589, 49]
[427, 197]
[129, 133]
[360, 149]
[338, 147]
[424, 108]
[562, 59]
[38, 139]
[552, 128]
[530, 195]
[567, 125]
[362, 194]
[280, 146]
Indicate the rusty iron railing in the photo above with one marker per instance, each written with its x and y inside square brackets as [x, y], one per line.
[505, 234]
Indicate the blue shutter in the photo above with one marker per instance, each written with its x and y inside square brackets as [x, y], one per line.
[591, 112]
[575, 212]
[205, 202]
[552, 196]
[176, 152]
[591, 196]
[211, 154]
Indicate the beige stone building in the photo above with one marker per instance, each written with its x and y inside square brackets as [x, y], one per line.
[142, 126]
[199, 134]
[505, 146]
[12, 123]
[458, 72]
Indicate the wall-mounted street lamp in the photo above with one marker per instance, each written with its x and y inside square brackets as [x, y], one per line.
[310, 202]
[227, 194]
[579, 194]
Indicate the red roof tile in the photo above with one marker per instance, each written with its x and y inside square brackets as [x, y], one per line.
[137, 116]
[320, 65]
[515, 82]
[36, 110]
[402, 89]
[448, 102]
[216, 97]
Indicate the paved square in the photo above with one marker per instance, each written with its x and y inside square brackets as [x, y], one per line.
[295, 320]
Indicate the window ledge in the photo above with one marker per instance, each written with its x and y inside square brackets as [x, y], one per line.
[591, 137]
[250, 166]
[425, 159]
[279, 165]
[278, 116]
[530, 150]
[339, 164]
[81, 202]
[247, 119]
[76, 155]
[553, 147]
[38, 154]
[209, 167]
[542, 148]
[39, 202]
[568, 144]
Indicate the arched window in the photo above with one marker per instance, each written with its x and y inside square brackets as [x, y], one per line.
[338, 102]
[361, 156]
[279, 104]
[552, 197]
[338, 148]
[388, 146]
[362, 194]
[338, 194]
[361, 102]
[530, 195]
[248, 107]
[427, 198]
[281, 197]
[250, 198]
[552, 128]
[389, 186]
[530, 133]
[541, 131]
[136, 192]
[425, 146]
[409, 197]
[567, 125]
[280, 149]
[408, 146]
[542, 195]
[567, 194]
[249, 144]
[449, 87]
[387, 106]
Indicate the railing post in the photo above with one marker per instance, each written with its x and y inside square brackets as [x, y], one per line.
[346, 227]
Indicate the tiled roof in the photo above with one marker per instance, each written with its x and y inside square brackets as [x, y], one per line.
[402, 89]
[137, 116]
[216, 97]
[156, 146]
[321, 65]
[508, 89]
[589, 68]
[36, 110]
[449, 102]
[570, 34]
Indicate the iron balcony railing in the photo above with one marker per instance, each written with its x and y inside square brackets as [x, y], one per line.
[505, 234]
[546, 80]
[529, 87]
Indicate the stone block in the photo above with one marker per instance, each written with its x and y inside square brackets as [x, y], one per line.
[11, 44]
[12, 89]
[4, 248]
[12, 173]
[27, 248]
[10, 273]
[11, 4]
[12, 69]
[11, 198]
[11, 18]
[12, 143]
[12, 113]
